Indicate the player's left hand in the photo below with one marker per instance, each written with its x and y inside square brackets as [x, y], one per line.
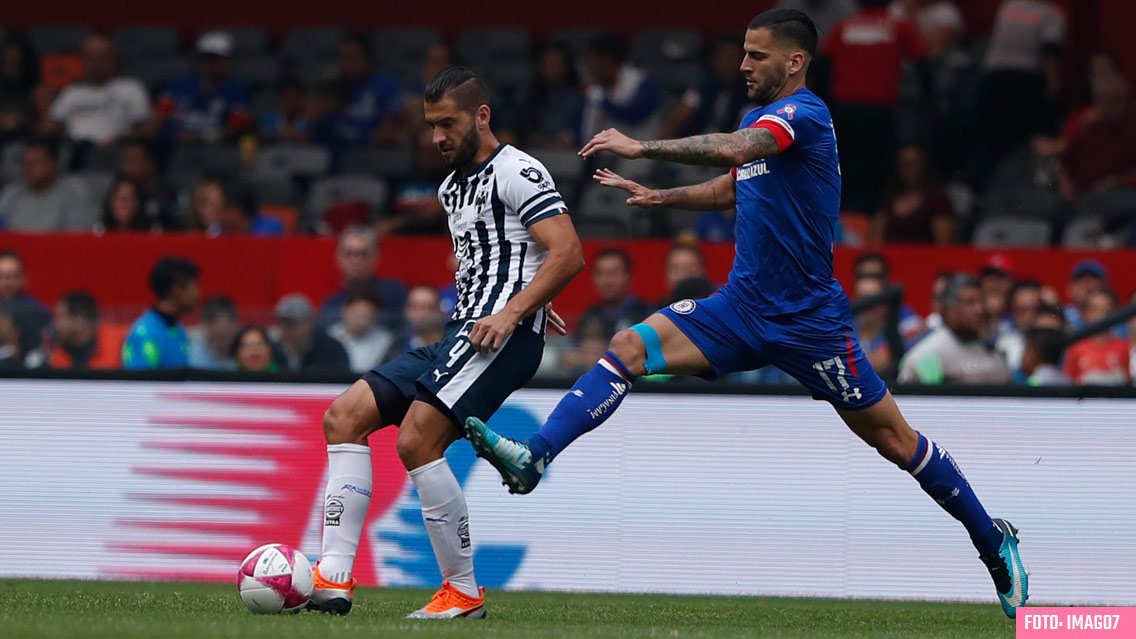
[555, 322]
[489, 334]
[615, 142]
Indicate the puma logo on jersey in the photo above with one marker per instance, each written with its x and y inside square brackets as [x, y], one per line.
[438, 375]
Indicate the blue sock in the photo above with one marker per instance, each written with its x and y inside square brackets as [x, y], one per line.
[595, 396]
[940, 477]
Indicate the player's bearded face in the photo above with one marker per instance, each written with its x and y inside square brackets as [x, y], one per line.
[463, 153]
[765, 66]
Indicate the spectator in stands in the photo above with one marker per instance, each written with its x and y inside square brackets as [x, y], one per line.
[916, 209]
[825, 13]
[103, 107]
[289, 122]
[159, 201]
[304, 347]
[426, 323]
[43, 200]
[996, 279]
[617, 308]
[251, 351]
[438, 57]
[683, 262]
[19, 76]
[122, 209]
[1019, 80]
[211, 344]
[414, 207]
[11, 355]
[79, 341]
[956, 352]
[619, 94]
[1041, 359]
[1050, 316]
[871, 325]
[1087, 277]
[719, 102]
[208, 208]
[357, 258]
[370, 108]
[157, 339]
[1101, 155]
[911, 327]
[244, 217]
[865, 54]
[548, 111]
[30, 315]
[1102, 359]
[367, 344]
[940, 22]
[209, 105]
[935, 317]
[1024, 300]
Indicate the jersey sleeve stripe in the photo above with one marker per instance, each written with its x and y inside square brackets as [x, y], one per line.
[521, 208]
[772, 118]
[784, 139]
[552, 212]
[538, 208]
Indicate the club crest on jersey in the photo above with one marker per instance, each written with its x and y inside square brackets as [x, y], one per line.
[788, 110]
[684, 307]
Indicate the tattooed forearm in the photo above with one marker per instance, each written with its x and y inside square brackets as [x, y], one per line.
[715, 149]
[715, 195]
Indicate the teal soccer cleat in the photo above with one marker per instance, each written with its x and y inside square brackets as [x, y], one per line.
[1009, 573]
[511, 458]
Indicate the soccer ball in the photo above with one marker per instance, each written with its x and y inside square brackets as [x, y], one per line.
[275, 578]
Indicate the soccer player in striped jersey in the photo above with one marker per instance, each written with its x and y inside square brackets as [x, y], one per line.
[781, 305]
[516, 249]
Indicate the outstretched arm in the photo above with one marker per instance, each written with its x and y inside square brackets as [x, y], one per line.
[715, 149]
[714, 195]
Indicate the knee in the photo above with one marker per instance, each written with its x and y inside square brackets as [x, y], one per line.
[413, 448]
[628, 347]
[339, 428]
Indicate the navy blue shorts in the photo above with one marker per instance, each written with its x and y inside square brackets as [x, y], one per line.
[454, 377]
[816, 346]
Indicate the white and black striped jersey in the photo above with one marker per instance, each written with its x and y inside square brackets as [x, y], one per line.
[490, 211]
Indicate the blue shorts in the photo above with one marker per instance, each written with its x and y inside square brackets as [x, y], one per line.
[816, 346]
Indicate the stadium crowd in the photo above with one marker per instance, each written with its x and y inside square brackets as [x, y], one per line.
[945, 136]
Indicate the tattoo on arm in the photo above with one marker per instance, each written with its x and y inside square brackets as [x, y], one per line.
[715, 195]
[715, 149]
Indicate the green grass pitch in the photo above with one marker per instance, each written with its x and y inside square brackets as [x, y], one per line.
[118, 610]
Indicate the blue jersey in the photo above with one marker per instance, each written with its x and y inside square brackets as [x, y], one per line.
[155, 343]
[788, 209]
[190, 108]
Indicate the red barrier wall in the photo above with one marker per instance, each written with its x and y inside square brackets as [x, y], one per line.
[257, 271]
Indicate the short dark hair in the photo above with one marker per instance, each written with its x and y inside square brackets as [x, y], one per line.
[870, 256]
[12, 255]
[617, 253]
[463, 85]
[689, 248]
[608, 44]
[245, 330]
[81, 304]
[789, 24]
[218, 306]
[1023, 285]
[955, 284]
[358, 39]
[51, 145]
[363, 293]
[169, 272]
[1052, 310]
[1048, 342]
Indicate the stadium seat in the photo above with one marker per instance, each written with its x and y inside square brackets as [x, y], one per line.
[401, 52]
[677, 77]
[98, 184]
[1107, 205]
[857, 228]
[314, 71]
[1012, 231]
[213, 160]
[602, 207]
[391, 162]
[1023, 201]
[60, 69]
[247, 40]
[259, 70]
[103, 158]
[482, 47]
[286, 215]
[268, 190]
[1083, 233]
[652, 47]
[292, 160]
[156, 73]
[58, 38]
[346, 188]
[564, 165]
[146, 40]
[312, 42]
[508, 77]
[577, 40]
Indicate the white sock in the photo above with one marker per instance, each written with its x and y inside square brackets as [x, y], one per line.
[345, 504]
[447, 522]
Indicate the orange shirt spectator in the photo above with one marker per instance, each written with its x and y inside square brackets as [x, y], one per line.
[106, 353]
[78, 340]
[1103, 358]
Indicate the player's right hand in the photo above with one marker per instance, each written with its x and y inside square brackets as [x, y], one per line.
[615, 142]
[640, 195]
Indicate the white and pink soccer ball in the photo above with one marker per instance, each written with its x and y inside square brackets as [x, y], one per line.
[275, 578]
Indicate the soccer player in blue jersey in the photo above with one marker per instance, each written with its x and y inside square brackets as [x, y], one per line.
[781, 305]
